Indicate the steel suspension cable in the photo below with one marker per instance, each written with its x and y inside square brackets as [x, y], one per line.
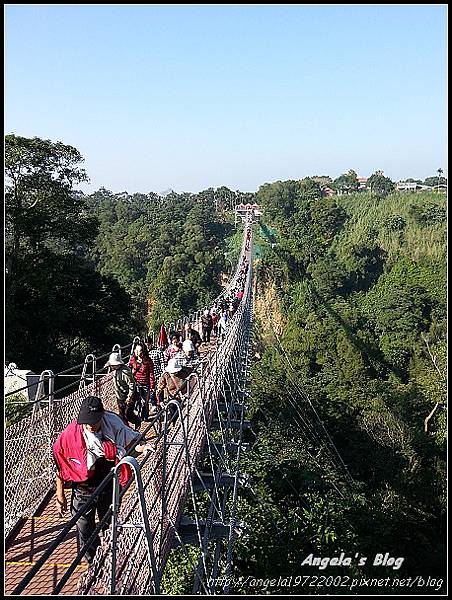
[344, 466]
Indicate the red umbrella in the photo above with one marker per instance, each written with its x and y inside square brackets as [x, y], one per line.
[163, 338]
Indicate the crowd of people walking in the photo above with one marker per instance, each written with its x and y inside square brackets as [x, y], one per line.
[92, 444]
[149, 378]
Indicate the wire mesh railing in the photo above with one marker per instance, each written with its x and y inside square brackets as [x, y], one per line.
[31, 472]
[167, 482]
[28, 449]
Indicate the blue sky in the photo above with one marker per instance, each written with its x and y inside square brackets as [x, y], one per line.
[193, 96]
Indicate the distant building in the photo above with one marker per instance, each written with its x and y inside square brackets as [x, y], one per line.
[16, 379]
[242, 210]
[328, 191]
[412, 186]
[406, 186]
[362, 184]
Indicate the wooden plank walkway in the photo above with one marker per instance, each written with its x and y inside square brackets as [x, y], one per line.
[28, 545]
[33, 537]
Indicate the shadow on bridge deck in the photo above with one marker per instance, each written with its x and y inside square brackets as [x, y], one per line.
[27, 545]
[33, 536]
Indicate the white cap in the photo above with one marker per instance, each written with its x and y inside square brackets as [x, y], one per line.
[173, 366]
[115, 359]
[188, 346]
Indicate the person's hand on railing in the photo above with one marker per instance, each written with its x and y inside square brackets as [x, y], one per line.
[144, 448]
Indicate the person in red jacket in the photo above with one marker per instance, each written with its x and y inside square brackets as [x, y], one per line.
[215, 319]
[143, 372]
[84, 453]
[175, 347]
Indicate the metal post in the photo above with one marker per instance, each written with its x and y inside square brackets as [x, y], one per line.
[114, 531]
[82, 383]
[164, 467]
[144, 525]
[51, 424]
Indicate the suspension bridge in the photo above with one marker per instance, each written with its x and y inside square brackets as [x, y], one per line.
[183, 494]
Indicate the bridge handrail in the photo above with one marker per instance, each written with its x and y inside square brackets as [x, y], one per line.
[25, 489]
[177, 487]
[167, 492]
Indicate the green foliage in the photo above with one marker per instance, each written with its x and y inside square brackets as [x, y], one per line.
[435, 180]
[58, 307]
[16, 408]
[40, 207]
[305, 222]
[168, 253]
[279, 200]
[395, 223]
[368, 221]
[380, 185]
[177, 577]
[327, 219]
[364, 337]
[428, 214]
[399, 309]
[328, 275]
[346, 183]
[76, 306]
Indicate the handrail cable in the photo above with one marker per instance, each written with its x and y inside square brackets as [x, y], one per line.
[344, 466]
[214, 498]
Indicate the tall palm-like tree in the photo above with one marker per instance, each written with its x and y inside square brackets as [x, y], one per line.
[440, 172]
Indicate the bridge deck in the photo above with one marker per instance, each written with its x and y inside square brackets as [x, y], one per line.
[29, 543]
[33, 537]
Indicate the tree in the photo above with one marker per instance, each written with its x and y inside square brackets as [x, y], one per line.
[440, 172]
[322, 180]
[327, 219]
[57, 306]
[427, 214]
[279, 200]
[328, 275]
[380, 185]
[40, 206]
[346, 183]
[435, 180]
[187, 273]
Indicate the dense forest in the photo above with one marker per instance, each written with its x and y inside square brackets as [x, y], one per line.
[349, 386]
[84, 272]
[348, 397]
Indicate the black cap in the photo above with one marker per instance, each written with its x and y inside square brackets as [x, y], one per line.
[91, 411]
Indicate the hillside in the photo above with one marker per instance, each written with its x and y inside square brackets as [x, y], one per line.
[350, 364]
[348, 387]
